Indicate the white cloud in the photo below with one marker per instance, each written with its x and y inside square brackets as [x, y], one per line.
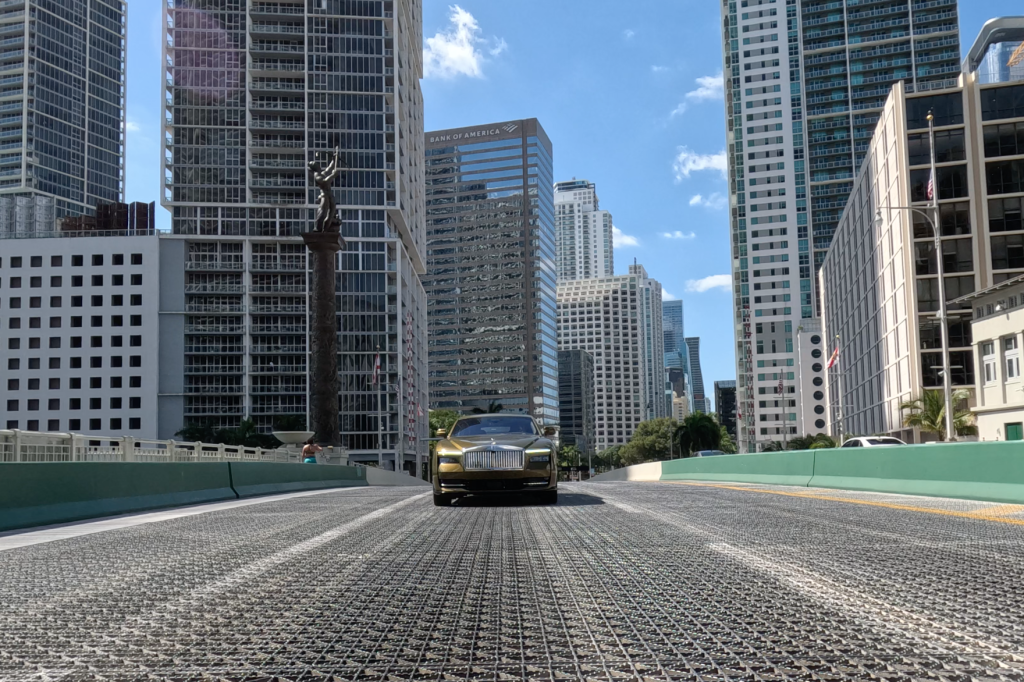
[687, 162]
[708, 87]
[665, 296]
[679, 235]
[658, 69]
[708, 283]
[456, 51]
[131, 126]
[629, 33]
[714, 201]
[619, 239]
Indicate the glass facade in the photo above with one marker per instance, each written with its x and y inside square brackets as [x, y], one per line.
[491, 269]
[583, 232]
[62, 109]
[255, 93]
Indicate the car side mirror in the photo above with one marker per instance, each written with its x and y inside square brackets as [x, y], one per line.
[550, 431]
[441, 433]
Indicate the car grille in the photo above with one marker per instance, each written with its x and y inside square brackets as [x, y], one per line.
[491, 460]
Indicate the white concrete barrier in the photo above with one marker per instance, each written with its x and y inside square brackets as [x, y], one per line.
[375, 476]
[649, 471]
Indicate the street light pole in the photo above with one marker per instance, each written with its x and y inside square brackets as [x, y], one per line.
[932, 216]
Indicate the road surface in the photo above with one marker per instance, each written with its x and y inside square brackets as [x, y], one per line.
[620, 581]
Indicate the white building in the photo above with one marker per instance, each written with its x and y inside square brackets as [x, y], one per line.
[296, 82]
[81, 334]
[804, 84]
[583, 232]
[998, 331]
[880, 279]
[607, 318]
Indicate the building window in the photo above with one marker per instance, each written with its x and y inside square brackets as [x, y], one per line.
[53, 425]
[76, 281]
[115, 424]
[988, 358]
[56, 261]
[77, 261]
[97, 259]
[136, 259]
[134, 423]
[1012, 358]
[95, 424]
[117, 259]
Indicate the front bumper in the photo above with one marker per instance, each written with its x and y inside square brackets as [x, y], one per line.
[471, 482]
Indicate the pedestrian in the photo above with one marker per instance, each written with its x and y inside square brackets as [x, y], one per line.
[310, 450]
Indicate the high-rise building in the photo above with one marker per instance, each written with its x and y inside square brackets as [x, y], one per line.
[607, 318]
[576, 400]
[677, 357]
[81, 333]
[700, 401]
[255, 92]
[491, 269]
[583, 232]
[725, 403]
[803, 94]
[63, 92]
[880, 279]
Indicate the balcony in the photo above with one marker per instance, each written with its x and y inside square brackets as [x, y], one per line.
[277, 349]
[214, 369]
[278, 329]
[814, 87]
[207, 349]
[288, 29]
[274, 390]
[214, 329]
[278, 288]
[276, 9]
[276, 85]
[300, 309]
[279, 183]
[277, 48]
[215, 390]
[196, 410]
[276, 266]
[216, 288]
[194, 265]
[214, 308]
[279, 369]
[276, 124]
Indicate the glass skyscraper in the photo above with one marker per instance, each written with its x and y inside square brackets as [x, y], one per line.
[805, 82]
[255, 91]
[491, 269]
[62, 116]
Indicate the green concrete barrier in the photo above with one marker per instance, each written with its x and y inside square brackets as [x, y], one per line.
[250, 479]
[39, 494]
[991, 471]
[778, 468]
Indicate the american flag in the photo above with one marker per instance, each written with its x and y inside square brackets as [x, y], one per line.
[931, 187]
[376, 369]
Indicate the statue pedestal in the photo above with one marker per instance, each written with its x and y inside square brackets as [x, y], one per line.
[323, 337]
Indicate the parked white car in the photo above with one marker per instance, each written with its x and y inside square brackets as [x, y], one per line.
[872, 442]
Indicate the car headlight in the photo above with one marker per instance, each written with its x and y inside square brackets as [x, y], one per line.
[447, 460]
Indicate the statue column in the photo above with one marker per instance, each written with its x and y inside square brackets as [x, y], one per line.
[323, 337]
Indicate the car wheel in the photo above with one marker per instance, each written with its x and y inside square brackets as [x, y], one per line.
[442, 500]
[549, 497]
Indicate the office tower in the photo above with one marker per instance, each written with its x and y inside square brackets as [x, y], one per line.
[256, 91]
[676, 354]
[583, 232]
[803, 94]
[700, 401]
[681, 384]
[651, 317]
[576, 400]
[725, 403]
[607, 318]
[63, 96]
[491, 269]
[680, 407]
[880, 278]
[81, 333]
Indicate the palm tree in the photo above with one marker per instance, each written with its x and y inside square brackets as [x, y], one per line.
[928, 413]
[772, 446]
[493, 408]
[698, 431]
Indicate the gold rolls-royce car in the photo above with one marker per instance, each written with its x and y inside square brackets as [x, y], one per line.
[495, 453]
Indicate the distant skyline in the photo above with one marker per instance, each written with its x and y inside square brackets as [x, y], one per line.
[632, 101]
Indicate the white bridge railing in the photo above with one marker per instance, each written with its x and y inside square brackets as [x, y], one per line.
[32, 446]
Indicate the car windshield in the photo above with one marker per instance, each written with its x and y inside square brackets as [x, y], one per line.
[885, 441]
[494, 426]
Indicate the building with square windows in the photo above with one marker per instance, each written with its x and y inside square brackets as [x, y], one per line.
[880, 279]
[583, 232]
[607, 317]
[62, 110]
[805, 84]
[491, 269]
[81, 334]
[254, 93]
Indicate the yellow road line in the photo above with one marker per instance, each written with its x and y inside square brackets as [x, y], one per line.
[995, 514]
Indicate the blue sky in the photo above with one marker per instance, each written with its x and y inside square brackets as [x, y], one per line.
[631, 99]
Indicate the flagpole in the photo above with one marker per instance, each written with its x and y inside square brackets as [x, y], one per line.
[947, 380]
[839, 390]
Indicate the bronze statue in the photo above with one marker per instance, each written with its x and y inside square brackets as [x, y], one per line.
[327, 219]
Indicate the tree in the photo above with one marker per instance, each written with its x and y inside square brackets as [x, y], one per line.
[611, 458]
[569, 456]
[928, 413]
[772, 446]
[493, 408]
[727, 446]
[245, 435]
[822, 441]
[442, 419]
[698, 431]
[652, 441]
[290, 422]
[810, 442]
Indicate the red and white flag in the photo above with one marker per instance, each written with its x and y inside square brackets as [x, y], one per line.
[834, 359]
[376, 369]
[931, 187]
[782, 388]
